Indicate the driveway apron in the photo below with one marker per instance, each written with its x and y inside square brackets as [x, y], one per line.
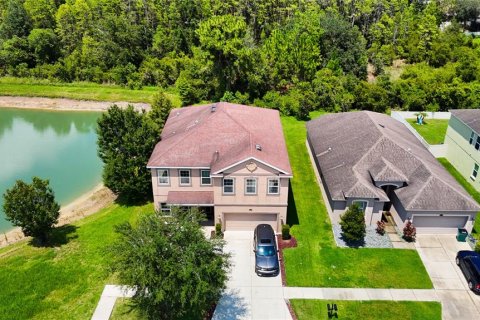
[438, 255]
[249, 296]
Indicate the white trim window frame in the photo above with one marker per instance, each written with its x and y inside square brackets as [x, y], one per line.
[276, 185]
[477, 143]
[250, 186]
[165, 209]
[363, 204]
[182, 179]
[163, 177]
[206, 177]
[472, 137]
[474, 172]
[232, 186]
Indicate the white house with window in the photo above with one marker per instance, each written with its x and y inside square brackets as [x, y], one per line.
[229, 160]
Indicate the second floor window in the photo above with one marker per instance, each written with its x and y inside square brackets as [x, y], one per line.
[273, 186]
[163, 177]
[477, 143]
[184, 176]
[228, 186]
[474, 172]
[472, 137]
[206, 180]
[250, 186]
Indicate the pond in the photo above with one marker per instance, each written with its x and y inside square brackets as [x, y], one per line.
[55, 145]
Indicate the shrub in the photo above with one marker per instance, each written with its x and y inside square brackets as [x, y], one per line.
[477, 246]
[380, 227]
[353, 223]
[218, 230]
[409, 231]
[285, 232]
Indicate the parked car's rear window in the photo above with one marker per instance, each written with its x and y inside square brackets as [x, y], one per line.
[265, 241]
[266, 251]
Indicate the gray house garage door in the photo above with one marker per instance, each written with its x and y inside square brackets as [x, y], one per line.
[248, 221]
[452, 222]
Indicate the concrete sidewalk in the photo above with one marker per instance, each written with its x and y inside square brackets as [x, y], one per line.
[107, 300]
[360, 294]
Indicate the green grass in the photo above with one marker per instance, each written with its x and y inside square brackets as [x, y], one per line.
[64, 282]
[466, 185]
[433, 130]
[124, 311]
[365, 310]
[79, 91]
[317, 262]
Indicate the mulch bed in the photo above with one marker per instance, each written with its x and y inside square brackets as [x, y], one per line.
[283, 244]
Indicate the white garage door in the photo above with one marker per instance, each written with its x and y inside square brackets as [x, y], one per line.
[248, 221]
[452, 222]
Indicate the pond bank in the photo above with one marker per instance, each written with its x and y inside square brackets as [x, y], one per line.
[63, 104]
[85, 205]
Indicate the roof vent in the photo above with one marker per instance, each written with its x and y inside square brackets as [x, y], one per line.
[213, 108]
[381, 125]
[258, 147]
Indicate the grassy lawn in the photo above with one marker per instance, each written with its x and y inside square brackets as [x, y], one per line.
[64, 282]
[466, 185]
[317, 262]
[123, 311]
[78, 90]
[365, 310]
[433, 130]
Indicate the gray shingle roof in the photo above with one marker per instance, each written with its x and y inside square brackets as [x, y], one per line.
[353, 149]
[471, 117]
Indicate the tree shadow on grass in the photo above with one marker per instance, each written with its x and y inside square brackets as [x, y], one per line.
[292, 215]
[58, 236]
[123, 201]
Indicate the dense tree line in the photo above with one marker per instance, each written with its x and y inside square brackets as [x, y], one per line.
[294, 55]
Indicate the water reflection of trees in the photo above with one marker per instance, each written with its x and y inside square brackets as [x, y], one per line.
[60, 121]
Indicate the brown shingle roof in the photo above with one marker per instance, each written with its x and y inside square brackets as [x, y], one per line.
[471, 117]
[190, 197]
[351, 147]
[198, 137]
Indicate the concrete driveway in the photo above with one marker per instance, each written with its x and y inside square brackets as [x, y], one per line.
[438, 254]
[249, 296]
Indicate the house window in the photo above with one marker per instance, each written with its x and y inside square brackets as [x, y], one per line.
[250, 186]
[184, 177]
[477, 143]
[165, 209]
[228, 186]
[472, 137]
[474, 172]
[273, 186]
[206, 180]
[163, 177]
[361, 204]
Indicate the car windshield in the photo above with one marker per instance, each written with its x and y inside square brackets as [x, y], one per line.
[266, 251]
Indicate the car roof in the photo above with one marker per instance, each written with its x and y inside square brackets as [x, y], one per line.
[476, 262]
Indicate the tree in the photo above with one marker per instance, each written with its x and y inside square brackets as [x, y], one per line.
[161, 108]
[177, 272]
[15, 21]
[43, 44]
[32, 207]
[353, 223]
[126, 139]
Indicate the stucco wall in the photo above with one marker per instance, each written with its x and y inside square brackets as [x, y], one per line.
[373, 211]
[461, 154]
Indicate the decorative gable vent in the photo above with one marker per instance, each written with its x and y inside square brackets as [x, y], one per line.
[258, 147]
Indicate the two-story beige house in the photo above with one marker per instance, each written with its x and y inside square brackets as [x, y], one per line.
[230, 160]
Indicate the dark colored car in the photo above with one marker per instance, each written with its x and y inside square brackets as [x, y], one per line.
[469, 263]
[265, 248]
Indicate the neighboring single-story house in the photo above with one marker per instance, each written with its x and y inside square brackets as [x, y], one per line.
[230, 160]
[374, 160]
[463, 143]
